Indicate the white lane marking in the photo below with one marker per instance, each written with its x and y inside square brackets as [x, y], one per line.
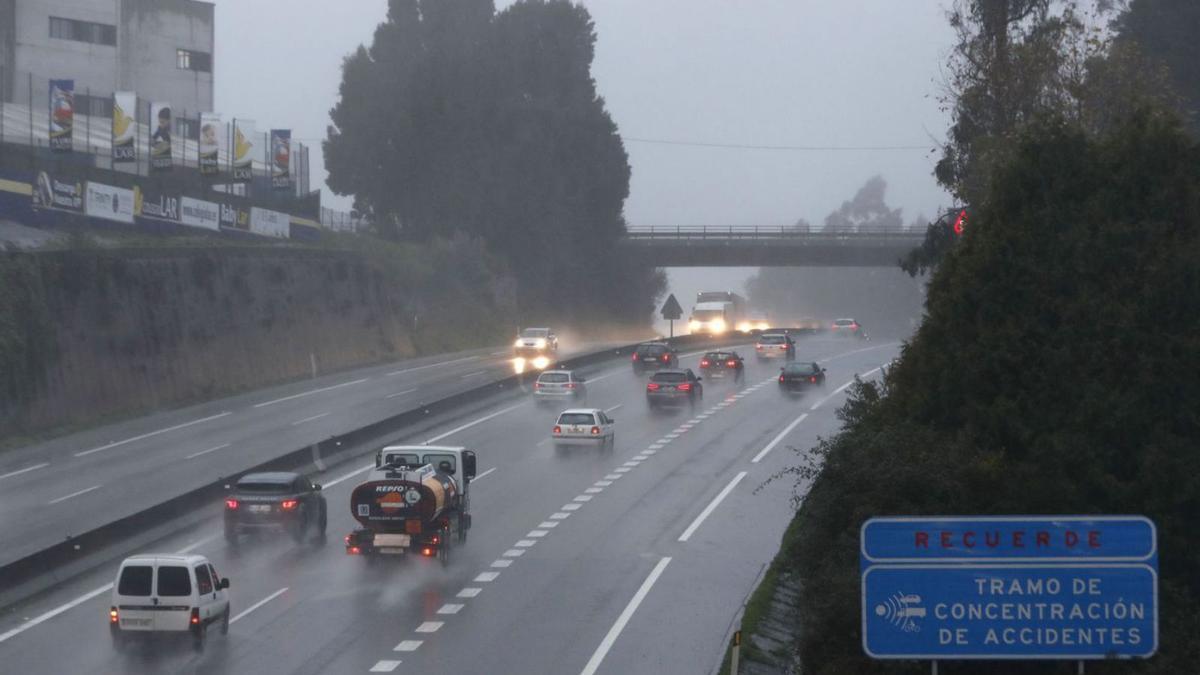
[473, 374]
[310, 392]
[469, 592]
[593, 490]
[258, 604]
[593, 663]
[408, 646]
[857, 351]
[309, 419]
[472, 423]
[771, 446]
[400, 393]
[672, 436]
[612, 476]
[548, 524]
[435, 365]
[27, 469]
[55, 612]
[602, 483]
[348, 476]
[559, 516]
[656, 446]
[687, 534]
[501, 563]
[514, 553]
[429, 627]
[631, 463]
[483, 474]
[485, 577]
[205, 452]
[649, 452]
[196, 544]
[842, 388]
[153, 433]
[450, 608]
[525, 543]
[608, 410]
[622, 469]
[384, 666]
[75, 494]
[534, 534]
[571, 507]
[583, 498]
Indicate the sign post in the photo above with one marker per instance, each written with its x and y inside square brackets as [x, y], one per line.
[1032, 588]
[672, 311]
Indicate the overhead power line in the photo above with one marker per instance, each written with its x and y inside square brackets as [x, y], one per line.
[746, 146]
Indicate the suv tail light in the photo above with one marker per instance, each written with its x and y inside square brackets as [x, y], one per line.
[595, 431]
[651, 386]
[289, 504]
[113, 616]
[635, 356]
[231, 504]
[195, 620]
[557, 429]
[686, 386]
[731, 363]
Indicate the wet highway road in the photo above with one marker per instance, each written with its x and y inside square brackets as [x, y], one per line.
[584, 562]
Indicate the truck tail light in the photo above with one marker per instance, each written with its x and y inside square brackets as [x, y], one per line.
[113, 616]
[231, 504]
[289, 504]
[557, 429]
[195, 621]
[595, 431]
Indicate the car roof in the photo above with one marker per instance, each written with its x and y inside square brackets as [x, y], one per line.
[668, 371]
[655, 343]
[559, 371]
[531, 329]
[844, 320]
[712, 304]
[153, 558]
[281, 477]
[422, 448]
[591, 411]
[775, 334]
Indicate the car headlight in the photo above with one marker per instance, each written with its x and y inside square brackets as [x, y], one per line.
[541, 342]
[744, 327]
[717, 325]
[541, 362]
[518, 343]
[694, 325]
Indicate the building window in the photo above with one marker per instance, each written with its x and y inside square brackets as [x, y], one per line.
[83, 31]
[186, 59]
[99, 106]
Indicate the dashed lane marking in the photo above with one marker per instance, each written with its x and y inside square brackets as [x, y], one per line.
[450, 608]
[525, 543]
[408, 646]
[75, 494]
[309, 419]
[429, 627]
[472, 423]
[435, 365]
[559, 516]
[309, 393]
[401, 393]
[153, 433]
[469, 592]
[548, 524]
[535, 534]
[770, 446]
[27, 469]
[513, 553]
[501, 563]
[384, 666]
[202, 452]
[485, 577]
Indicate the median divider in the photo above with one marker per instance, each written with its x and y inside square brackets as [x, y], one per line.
[79, 553]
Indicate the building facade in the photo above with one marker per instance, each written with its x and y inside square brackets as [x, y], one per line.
[161, 49]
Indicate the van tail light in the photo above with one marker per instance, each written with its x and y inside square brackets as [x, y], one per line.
[195, 616]
[289, 504]
[704, 363]
[651, 386]
[231, 504]
[557, 429]
[113, 616]
[686, 386]
[595, 431]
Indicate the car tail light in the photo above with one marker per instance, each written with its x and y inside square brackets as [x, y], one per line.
[346, 539]
[704, 363]
[354, 550]
[731, 363]
[834, 327]
[195, 616]
[595, 431]
[666, 357]
[289, 504]
[113, 616]
[813, 378]
[435, 539]
[758, 347]
[635, 356]
[427, 552]
[781, 379]
[570, 385]
[686, 386]
[231, 504]
[537, 385]
[651, 386]
[557, 429]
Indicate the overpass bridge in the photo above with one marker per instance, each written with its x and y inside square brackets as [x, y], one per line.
[767, 246]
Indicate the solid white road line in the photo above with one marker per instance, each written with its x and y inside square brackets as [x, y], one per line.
[152, 433]
[384, 666]
[593, 663]
[348, 476]
[27, 469]
[309, 419]
[408, 646]
[258, 604]
[401, 393]
[842, 388]
[483, 474]
[435, 365]
[205, 452]
[687, 534]
[75, 494]
[55, 612]
[468, 425]
[310, 392]
[608, 410]
[771, 446]
[477, 372]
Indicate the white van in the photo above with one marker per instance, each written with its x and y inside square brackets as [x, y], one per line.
[161, 593]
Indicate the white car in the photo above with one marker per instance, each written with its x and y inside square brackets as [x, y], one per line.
[536, 341]
[162, 593]
[559, 385]
[584, 426]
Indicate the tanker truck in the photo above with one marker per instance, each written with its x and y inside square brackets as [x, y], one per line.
[415, 501]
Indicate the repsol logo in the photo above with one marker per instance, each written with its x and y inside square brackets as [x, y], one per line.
[391, 488]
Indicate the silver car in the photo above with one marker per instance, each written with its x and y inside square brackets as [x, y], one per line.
[584, 426]
[559, 385]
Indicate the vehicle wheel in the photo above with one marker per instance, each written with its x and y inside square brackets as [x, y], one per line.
[444, 549]
[225, 622]
[462, 530]
[322, 522]
[610, 443]
[199, 636]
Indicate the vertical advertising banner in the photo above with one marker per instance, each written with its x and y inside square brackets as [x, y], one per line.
[211, 137]
[243, 148]
[281, 158]
[160, 138]
[124, 126]
[62, 114]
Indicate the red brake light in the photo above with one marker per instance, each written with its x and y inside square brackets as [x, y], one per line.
[595, 431]
[731, 364]
[113, 617]
[570, 385]
[686, 386]
[651, 386]
[354, 550]
[557, 429]
[195, 616]
[231, 504]
[537, 385]
[289, 504]
[758, 346]
[635, 356]
[813, 378]
[704, 363]
[666, 357]
[427, 552]
[781, 379]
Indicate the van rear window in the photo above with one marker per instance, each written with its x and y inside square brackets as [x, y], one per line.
[135, 580]
[174, 581]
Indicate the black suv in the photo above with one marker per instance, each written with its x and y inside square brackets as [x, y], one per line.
[716, 365]
[654, 356]
[673, 387]
[278, 500]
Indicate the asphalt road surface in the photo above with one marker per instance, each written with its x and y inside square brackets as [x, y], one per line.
[630, 561]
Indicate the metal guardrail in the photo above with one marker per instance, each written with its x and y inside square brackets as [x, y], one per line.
[765, 233]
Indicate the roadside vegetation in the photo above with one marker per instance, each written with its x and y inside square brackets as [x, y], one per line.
[1056, 369]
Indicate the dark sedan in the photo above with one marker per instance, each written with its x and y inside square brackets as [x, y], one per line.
[718, 365]
[673, 387]
[277, 500]
[800, 377]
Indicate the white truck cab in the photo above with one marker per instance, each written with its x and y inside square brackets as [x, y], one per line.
[163, 593]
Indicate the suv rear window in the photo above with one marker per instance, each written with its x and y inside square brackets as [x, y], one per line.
[772, 340]
[135, 580]
[554, 378]
[668, 377]
[174, 580]
[718, 356]
[651, 350]
[802, 369]
[844, 322]
[265, 488]
[576, 418]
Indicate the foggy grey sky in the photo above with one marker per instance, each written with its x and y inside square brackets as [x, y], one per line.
[759, 72]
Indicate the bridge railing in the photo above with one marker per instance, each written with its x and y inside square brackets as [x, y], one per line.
[765, 233]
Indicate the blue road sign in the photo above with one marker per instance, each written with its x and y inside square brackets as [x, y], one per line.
[1077, 539]
[1010, 611]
